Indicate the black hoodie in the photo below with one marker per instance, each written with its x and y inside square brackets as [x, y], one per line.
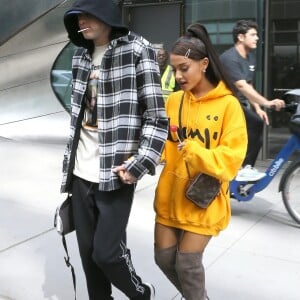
[105, 10]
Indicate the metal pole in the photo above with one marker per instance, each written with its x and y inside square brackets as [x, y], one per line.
[265, 73]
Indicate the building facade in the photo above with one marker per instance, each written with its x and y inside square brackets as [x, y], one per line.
[160, 21]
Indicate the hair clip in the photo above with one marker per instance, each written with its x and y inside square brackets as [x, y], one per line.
[187, 53]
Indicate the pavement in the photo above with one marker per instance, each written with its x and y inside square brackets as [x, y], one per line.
[256, 257]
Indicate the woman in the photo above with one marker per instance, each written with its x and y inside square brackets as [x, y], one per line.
[212, 139]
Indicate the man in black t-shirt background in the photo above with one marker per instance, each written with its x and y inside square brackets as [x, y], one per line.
[240, 63]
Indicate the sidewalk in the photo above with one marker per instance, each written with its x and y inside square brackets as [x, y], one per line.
[256, 257]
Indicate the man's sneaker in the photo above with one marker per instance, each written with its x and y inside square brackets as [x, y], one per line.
[249, 174]
[151, 289]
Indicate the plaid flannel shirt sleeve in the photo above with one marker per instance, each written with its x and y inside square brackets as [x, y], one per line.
[155, 122]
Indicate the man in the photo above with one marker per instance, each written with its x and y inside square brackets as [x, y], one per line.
[118, 131]
[168, 82]
[240, 63]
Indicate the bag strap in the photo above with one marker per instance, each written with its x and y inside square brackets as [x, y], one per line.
[69, 265]
[179, 117]
[181, 130]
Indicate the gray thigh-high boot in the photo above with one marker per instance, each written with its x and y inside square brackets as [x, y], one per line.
[191, 275]
[166, 259]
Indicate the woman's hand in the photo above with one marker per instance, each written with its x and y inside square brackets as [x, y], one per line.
[125, 176]
[180, 145]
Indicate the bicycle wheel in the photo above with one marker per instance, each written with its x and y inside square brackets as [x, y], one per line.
[291, 190]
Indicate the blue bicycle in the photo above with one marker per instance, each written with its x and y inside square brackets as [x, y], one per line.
[289, 185]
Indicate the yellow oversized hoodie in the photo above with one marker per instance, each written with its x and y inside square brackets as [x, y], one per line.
[216, 140]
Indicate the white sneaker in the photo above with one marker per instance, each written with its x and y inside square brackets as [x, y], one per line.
[152, 290]
[249, 174]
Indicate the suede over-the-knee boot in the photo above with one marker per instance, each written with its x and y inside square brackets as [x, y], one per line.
[191, 275]
[166, 259]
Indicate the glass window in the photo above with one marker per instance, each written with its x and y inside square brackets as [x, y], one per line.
[213, 38]
[285, 37]
[285, 25]
[285, 52]
[225, 39]
[285, 31]
[226, 27]
[61, 76]
[286, 69]
[211, 27]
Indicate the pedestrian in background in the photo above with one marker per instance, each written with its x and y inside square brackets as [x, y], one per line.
[240, 63]
[211, 139]
[168, 82]
[118, 131]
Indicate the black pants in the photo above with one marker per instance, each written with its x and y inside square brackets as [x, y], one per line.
[101, 219]
[255, 127]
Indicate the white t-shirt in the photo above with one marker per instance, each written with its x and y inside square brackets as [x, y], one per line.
[87, 154]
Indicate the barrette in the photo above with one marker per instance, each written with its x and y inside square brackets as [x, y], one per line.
[187, 53]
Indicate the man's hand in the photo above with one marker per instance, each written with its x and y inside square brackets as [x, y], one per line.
[277, 104]
[263, 115]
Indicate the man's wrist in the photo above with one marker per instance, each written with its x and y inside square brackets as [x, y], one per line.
[259, 108]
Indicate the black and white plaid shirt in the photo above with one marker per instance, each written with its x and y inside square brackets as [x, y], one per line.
[131, 117]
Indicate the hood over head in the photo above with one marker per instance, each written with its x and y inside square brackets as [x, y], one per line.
[105, 10]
